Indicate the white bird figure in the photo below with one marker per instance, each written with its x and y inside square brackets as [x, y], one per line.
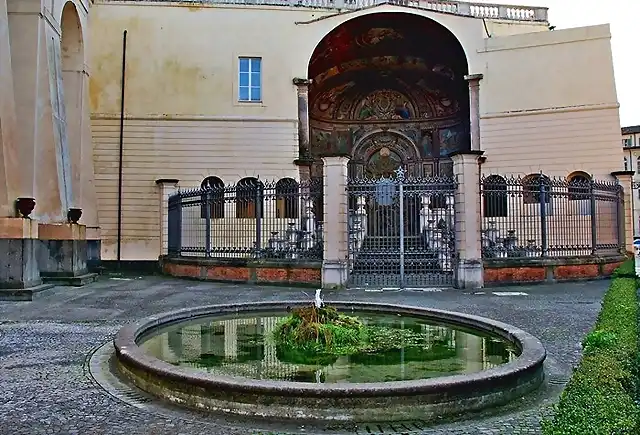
[319, 301]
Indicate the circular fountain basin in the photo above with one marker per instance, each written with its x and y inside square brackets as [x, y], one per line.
[219, 358]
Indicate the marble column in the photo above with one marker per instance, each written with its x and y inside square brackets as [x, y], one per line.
[304, 159]
[335, 223]
[167, 187]
[474, 109]
[469, 269]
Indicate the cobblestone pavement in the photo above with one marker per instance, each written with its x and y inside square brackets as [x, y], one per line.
[44, 345]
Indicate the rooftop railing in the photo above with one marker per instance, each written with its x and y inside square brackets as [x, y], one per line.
[467, 9]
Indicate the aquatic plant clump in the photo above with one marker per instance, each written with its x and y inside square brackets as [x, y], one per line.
[312, 335]
[319, 329]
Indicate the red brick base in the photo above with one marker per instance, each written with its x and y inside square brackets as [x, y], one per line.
[513, 271]
[308, 274]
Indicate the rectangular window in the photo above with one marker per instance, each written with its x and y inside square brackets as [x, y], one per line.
[627, 142]
[250, 79]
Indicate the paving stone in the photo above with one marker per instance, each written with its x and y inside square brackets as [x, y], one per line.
[44, 346]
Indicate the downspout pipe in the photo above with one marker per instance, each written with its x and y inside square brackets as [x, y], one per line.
[121, 146]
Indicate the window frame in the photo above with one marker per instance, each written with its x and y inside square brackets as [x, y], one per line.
[250, 85]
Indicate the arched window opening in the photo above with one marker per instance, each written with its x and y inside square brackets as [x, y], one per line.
[287, 199]
[579, 186]
[249, 198]
[533, 188]
[213, 190]
[495, 196]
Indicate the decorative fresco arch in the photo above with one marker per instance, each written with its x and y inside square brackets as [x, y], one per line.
[395, 81]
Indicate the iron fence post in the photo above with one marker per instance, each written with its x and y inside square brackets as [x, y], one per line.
[178, 226]
[207, 220]
[621, 219]
[401, 201]
[594, 223]
[258, 213]
[543, 218]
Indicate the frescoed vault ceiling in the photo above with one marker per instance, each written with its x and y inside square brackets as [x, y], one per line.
[388, 67]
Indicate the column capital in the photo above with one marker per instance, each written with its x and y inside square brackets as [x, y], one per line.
[623, 175]
[474, 78]
[162, 181]
[302, 82]
[336, 159]
[468, 156]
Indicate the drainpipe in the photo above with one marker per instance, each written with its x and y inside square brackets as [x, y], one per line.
[124, 71]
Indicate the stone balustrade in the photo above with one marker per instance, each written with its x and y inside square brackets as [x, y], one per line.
[477, 10]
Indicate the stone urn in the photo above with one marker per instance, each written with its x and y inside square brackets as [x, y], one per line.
[74, 214]
[25, 206]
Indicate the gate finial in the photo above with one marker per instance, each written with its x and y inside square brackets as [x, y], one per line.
[400, 173]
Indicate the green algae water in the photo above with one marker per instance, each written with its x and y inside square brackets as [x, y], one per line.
[411, 349]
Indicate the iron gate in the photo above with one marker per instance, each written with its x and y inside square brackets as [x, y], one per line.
[401, 231]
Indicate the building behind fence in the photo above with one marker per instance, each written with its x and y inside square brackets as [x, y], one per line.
[253, 219]
[536, 216]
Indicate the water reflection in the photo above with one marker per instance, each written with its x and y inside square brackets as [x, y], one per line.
[243, 347]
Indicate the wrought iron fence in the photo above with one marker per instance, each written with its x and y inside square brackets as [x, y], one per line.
[253, 219]
[537, 216]
[401, 231]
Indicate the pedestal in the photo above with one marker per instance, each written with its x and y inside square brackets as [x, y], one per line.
[62, 255]
[625, 211]
[335, 223]
[469, 271]
[167, 187]
[19, 273]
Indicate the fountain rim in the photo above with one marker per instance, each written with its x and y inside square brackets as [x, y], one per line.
[531, 358]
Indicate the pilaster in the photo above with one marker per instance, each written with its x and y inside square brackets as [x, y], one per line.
[335, 223]
[166, 188]
[302, 86]
[474, 109]
[42, 139]
[469, 268]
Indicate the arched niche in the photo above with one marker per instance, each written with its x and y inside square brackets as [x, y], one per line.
[392, 75]
[73, 78]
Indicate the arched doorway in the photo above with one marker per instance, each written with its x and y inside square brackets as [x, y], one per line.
[389, 89]
[73, 60]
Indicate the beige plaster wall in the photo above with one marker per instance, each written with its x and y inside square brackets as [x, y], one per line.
[548, 103]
